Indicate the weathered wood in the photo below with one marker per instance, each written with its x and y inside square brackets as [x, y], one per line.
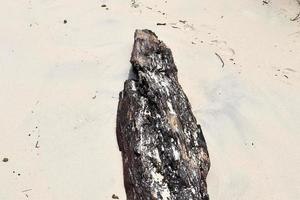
[163, 148]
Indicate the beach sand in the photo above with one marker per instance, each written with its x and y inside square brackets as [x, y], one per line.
[63, 63]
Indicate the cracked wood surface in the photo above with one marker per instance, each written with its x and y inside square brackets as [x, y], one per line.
[163, 148]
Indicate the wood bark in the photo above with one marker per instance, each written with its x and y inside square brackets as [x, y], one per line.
[163, 148]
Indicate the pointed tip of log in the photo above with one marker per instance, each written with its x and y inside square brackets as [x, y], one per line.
[146, 48]
[144, 33]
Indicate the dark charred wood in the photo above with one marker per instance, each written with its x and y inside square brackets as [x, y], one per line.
[163, 148]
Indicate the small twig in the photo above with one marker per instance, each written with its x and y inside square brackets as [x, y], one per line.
[298, 15]
[220, 59]
[27, 190]
[265, 2]
[37, 144]
[296, 18]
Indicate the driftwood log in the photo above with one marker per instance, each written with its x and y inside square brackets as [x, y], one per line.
[163, 149]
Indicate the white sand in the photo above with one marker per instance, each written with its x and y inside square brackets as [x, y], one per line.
[50, 72]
